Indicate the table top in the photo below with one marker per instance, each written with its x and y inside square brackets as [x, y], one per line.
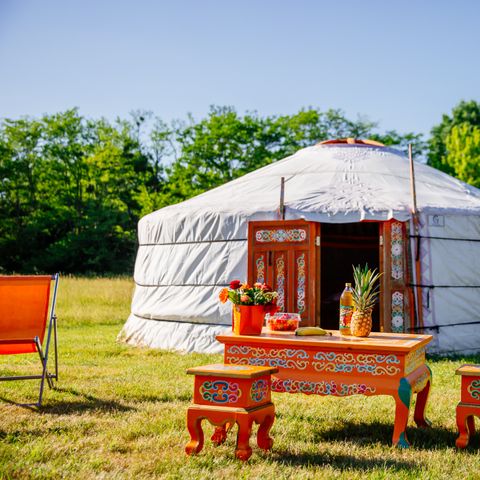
[469, 370]
[376, 341]
[232, 371]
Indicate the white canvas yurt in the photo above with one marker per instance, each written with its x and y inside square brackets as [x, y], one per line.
[345, 203]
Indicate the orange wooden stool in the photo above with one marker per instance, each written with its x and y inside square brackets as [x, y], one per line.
[229, 394]
[470, 403]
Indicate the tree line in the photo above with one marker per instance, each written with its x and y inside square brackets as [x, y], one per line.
[73, 188]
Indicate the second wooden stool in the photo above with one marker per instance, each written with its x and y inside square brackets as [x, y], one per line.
[469, 407]
[229, 394]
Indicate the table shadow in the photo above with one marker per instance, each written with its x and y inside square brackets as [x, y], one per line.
[372, 433]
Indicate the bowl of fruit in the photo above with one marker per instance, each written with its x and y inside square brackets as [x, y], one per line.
[283, 322]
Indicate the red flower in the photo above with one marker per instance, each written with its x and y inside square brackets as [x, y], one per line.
[234, 284]
[266, 288]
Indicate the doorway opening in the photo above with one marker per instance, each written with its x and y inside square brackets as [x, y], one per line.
[344, 245]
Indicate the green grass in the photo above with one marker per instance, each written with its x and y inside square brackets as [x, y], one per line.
[119, 412]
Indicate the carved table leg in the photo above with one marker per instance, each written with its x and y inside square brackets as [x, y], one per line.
[243, 450]
[463, 424]
[422, 398]
[471, 424]
[264, 441]
[402, 401]
[194, 425]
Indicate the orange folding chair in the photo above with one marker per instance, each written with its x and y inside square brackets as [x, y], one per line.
[24, 312]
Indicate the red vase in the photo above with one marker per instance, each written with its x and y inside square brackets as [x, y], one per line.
[248, 319]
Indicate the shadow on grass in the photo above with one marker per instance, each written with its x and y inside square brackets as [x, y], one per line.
[340, 461]
[85, 403]
[371, 433]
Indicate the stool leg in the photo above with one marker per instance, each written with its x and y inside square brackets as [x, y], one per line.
[463, 430]
[471, 425]
[243, 450]
[220, 434]
[264, 441]
[194, 425]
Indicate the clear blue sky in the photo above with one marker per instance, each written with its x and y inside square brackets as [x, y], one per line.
[401, 63]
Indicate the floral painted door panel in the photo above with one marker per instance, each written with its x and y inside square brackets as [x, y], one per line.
[381, 364]
[283, 254]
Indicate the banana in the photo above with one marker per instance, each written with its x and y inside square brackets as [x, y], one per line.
[311, 331]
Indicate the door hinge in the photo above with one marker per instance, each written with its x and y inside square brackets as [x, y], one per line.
[317, 240]
[381, 240]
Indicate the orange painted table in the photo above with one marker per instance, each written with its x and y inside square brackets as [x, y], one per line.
[381, 364]
[469, 406]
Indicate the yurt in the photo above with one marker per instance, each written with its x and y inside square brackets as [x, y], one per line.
[300, 224]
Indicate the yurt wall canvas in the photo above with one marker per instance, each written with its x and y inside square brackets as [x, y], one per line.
[188, 251]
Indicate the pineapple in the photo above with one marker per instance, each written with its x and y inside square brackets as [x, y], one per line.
[365, 294]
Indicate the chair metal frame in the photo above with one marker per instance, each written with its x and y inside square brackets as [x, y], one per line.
[45, 375]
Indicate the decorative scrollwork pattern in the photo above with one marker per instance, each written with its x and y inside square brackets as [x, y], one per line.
[220, 391]
[281, 283]
[474, 389]
[373, 364]
[259, 390]
[260, 264]
[281, 235]
[301, 283]
[321, 388]
[414, 360]
[262, 357]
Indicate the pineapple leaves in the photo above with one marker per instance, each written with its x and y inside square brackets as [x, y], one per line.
[366, 289]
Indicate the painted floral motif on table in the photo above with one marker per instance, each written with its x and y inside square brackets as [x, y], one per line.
[259, 390]
[420, 382]
[474, 389]
[281, 235]
[260, 265]
[263, 357]
[397, 251]
[321, 388]
[372, 364]
[220, 391]
[281, 283]
[301, 277]
[397, 312]
[414, 360]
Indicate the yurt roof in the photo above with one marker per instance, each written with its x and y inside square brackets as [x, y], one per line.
[331, 182]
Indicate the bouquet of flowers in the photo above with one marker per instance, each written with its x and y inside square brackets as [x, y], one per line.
[244, 294]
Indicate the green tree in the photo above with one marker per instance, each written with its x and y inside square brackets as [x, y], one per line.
[464, 113]
[463, 153]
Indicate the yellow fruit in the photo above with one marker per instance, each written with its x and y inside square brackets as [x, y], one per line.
[311, 331]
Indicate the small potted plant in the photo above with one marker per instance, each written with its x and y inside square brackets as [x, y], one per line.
[250, 304]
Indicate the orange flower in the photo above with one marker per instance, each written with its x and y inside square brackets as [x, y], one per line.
[246, 286]
[223, 295]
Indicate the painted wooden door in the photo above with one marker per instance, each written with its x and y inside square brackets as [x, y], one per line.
[284, 255]
[396, 295]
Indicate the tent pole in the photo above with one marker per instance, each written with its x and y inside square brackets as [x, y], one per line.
[418, 269]
[282, 199]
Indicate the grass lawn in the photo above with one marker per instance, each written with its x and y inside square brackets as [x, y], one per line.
[119, 412]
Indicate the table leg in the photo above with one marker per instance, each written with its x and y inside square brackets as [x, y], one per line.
[402, 409]
[264, 441]
[463, 424]
[422, 397]
[471, 425]
[194, 425]
[243, 450]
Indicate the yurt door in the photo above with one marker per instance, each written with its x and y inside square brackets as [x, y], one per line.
[344, 245]
[283, 254]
